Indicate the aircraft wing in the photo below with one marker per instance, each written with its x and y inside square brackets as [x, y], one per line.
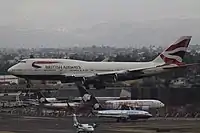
[121, 75]
[130, 74]
[106, 76]
[139, 73]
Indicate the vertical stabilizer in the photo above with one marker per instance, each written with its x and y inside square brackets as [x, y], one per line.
[88, 98]
[174, 54]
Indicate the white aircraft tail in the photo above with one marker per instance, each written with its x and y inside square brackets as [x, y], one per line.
[175, 52]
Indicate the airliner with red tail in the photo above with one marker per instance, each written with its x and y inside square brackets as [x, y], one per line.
[98, 73]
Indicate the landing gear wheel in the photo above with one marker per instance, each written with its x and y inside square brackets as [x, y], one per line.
[28, 84]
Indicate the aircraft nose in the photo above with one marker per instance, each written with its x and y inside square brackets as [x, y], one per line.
[11, 70]
[150, 115]
[162, 104]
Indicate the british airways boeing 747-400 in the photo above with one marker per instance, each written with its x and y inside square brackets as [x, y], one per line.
[98, 73]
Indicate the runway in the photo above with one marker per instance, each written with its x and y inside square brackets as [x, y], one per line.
[26, 124]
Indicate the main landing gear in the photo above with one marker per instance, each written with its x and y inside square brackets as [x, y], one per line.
[28, 83]
[121, 119]
[98, 84]
[86, 85]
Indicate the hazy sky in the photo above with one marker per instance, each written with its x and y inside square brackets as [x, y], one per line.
[81, 13]
[66, 15]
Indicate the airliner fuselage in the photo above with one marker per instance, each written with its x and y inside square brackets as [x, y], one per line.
[68, 67]
[67, 70]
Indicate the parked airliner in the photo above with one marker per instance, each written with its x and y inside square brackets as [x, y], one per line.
[98, 73]
[55, 104]
[144, 104]
[119, 114]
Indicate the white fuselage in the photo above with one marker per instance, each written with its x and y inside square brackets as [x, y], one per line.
[98, 98]
[134, 103]
[85, 128]
[68, 67]
[128, 114]
[61, 105]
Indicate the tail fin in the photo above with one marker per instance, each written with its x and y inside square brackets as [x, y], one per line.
[174, 53]
[88, 98]
[75, 120]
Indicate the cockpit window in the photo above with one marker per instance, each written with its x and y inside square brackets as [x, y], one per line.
[22, 62]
